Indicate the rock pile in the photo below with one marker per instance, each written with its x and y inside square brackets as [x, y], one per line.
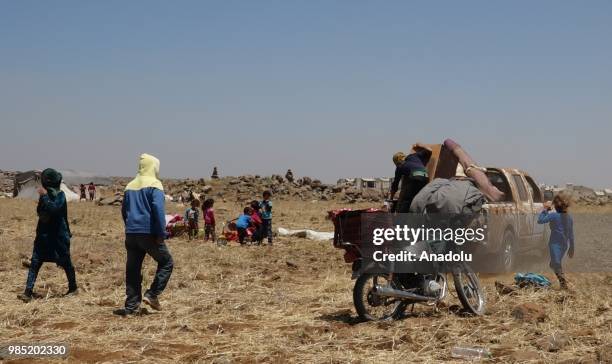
[586, 196]
[116, 200]
[7, 180]
[241, 188]
[248, 187]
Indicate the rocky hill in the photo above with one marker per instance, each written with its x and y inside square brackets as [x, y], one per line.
[250, 187]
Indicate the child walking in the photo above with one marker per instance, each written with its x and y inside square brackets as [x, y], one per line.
[561, 233]
[192, 216]
[209, 220]
[52, 242]
[243, 223]
[266, 216]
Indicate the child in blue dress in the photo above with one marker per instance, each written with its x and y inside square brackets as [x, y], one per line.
[561, 233]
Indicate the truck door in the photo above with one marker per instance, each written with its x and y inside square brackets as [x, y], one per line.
[538, 198]
[525, 210]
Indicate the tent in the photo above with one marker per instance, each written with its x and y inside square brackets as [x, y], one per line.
[27, 183]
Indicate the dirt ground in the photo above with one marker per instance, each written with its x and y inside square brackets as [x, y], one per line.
[247, 304]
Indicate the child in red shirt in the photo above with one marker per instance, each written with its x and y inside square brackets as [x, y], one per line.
[209, 220]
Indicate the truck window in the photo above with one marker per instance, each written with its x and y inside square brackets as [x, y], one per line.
[518, 181]
[499, 181]
[536, 192]
[548, 195]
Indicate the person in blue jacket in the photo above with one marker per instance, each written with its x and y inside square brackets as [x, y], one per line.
[145, 231]
[242, 224]
[52, 242]
[561, 233]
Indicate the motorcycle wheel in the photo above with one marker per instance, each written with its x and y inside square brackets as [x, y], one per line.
[468, 289]
[371, 306]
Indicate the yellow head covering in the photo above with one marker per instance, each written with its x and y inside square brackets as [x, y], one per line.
[398, 157]
[148, 174]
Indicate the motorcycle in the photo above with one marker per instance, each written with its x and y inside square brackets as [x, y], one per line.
[379, 295]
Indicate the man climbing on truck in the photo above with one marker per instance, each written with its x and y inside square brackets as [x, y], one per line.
[410, 169]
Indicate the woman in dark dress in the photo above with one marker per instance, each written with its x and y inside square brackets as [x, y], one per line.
[52, 242]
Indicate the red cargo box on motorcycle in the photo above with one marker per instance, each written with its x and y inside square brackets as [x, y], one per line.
[348, 230]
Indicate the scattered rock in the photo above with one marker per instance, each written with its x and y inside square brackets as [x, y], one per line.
[442, 335]
[529, 312]
[553, 342]
[291, 265]
[371, 195]
[604, 307]
[504, 289]
[113, 200]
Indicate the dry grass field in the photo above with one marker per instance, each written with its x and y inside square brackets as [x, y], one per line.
[246, 304]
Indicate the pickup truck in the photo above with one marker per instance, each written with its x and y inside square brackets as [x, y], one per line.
[513, 229]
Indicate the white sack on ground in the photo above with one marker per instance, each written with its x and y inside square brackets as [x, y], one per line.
[308, 234]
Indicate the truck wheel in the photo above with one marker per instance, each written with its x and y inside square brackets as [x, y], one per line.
[507, 254]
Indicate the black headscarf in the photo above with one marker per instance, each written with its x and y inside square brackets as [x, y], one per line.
[51, 181]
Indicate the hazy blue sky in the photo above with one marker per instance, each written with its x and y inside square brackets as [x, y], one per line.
[327, 88]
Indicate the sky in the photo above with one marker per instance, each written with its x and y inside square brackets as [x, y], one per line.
[329, 89]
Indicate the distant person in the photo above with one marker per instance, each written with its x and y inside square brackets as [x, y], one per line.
[411, 171]
[83, 192]
[145, 223]
[289, 176]
[215, 174]
[52, 242]
[266, 215]
[192, 218]
[256, 223]
[209, 220]
[561, 233]
[92, 191]
[243, 223]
